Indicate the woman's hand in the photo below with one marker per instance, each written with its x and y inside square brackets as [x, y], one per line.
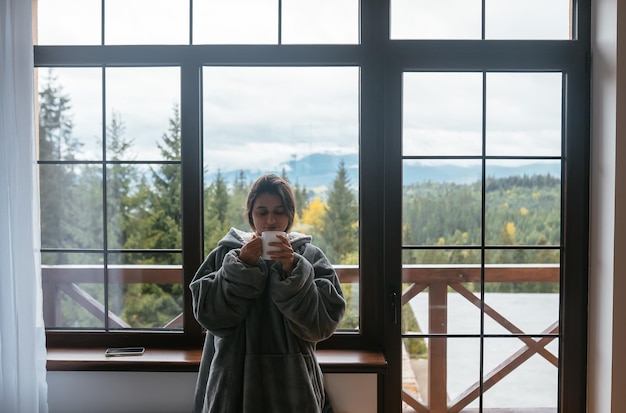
[251, 250]
[284, 255]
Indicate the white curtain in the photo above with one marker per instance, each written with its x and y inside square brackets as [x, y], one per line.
[23, 387]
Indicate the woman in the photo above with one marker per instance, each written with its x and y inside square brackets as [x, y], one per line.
[264, 317]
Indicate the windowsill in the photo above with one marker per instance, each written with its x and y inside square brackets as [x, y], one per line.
[159, 360]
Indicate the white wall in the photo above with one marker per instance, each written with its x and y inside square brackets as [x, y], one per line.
[139, 392]
[607, 288]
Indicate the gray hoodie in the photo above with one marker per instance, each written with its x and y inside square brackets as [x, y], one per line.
[262, 328]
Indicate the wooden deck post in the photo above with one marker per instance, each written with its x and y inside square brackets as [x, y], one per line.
[437, 347]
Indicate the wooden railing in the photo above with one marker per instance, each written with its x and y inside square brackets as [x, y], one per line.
[66, 279]
[437, 280]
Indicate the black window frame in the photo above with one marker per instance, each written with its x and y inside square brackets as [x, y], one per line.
[191, 59]
[572, 59]
[381, 62]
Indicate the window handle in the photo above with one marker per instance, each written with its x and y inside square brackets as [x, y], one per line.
[393, 297]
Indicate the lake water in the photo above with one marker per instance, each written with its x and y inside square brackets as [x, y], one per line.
[534, 383]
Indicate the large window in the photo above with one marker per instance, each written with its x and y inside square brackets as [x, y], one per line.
[154, 121]
[438, 150]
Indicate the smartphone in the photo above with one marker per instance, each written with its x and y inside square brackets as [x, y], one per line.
[124, 351]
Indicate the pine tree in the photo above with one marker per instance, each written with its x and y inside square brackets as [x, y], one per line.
[166, 196]
[302, 199]
[216, 222]
[56, 141]
[340, 229]
[158, 220]
[120, 180]
[237, 204]
[218, 203]
[59, 184]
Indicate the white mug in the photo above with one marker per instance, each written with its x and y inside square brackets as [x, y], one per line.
[267, 237]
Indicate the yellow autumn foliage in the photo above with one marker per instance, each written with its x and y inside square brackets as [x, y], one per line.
[313, 214]
[510, 229]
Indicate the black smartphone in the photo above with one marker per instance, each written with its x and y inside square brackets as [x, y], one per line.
[124, 351]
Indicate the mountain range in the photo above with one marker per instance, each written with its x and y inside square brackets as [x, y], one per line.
[317, 171]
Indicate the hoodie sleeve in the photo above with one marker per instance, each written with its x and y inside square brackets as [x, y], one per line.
[310, 298]
[223, 289]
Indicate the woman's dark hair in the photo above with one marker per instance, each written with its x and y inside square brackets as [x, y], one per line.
[274, 185]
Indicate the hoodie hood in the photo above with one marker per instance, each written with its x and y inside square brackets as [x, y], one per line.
[235, 238]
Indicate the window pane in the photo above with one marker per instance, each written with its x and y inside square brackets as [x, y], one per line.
[69, 22]
[536, 376]
[320, 21]
[71, 206]
[144, 206]
[235, 22]
[441, 202]
[528, 19]
[437, 305]
[522, 312]
[144, 117]
[442, 114]
[145, 291]
[146, 22]
[73, 290]
[70, 114]
[523, 203]
[517, 280]
[302, 122]
[524, 114]
[436, 19]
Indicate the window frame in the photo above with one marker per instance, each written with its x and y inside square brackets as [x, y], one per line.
[381, 63]
[572, 58]
[191, 59]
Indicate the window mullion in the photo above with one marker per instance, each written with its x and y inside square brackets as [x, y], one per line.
[192, 184]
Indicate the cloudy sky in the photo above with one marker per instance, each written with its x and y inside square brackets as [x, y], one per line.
[272, 115]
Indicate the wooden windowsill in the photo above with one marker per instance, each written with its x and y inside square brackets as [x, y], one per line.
[159, 360]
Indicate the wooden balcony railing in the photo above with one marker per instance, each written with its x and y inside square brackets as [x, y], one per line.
[66, 279]
[437, 280]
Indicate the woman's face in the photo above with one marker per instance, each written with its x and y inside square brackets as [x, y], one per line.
[269, 214]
